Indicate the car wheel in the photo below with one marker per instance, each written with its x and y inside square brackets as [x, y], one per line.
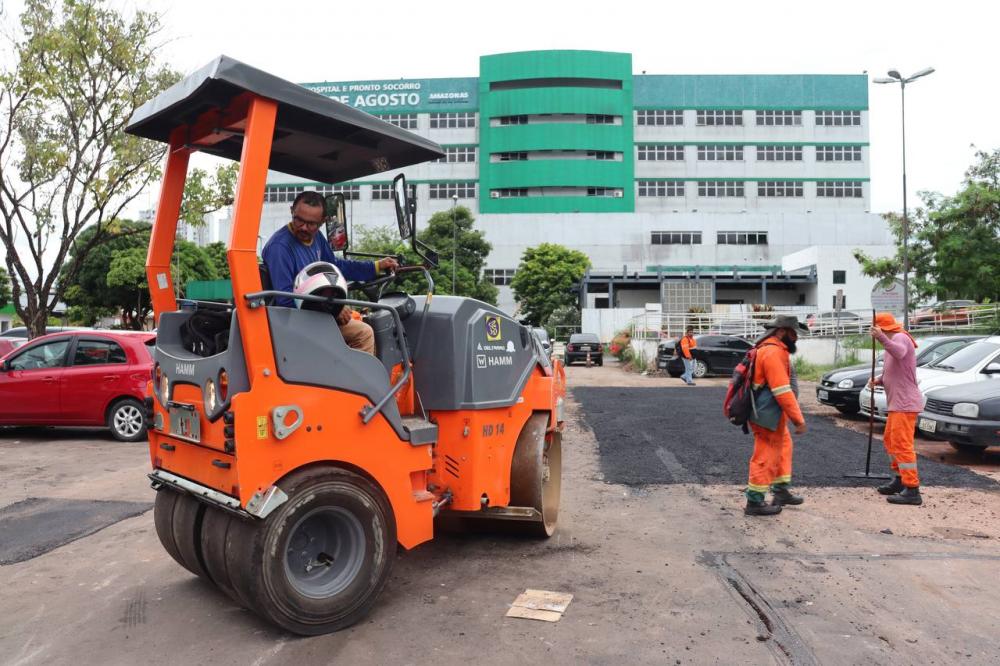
[700, 369]
[848, 409]
[974, 449]
[127, 420]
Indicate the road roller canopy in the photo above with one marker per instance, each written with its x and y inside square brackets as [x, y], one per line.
[315, 137]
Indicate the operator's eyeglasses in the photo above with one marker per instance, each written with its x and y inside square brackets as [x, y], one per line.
[298, 221]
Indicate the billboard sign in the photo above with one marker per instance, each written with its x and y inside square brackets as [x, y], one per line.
[403, 95]
[888, 298]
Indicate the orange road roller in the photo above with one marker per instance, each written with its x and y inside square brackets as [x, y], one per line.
[288, 466]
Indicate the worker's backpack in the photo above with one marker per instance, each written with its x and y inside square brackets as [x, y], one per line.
[738, 406]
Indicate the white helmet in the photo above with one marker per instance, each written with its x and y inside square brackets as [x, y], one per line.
[320, 278]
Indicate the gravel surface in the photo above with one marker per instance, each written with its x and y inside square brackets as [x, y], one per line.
[667, 435]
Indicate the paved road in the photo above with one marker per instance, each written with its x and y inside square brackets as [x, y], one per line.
[661, 574]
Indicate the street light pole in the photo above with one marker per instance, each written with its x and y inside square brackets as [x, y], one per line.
[896, 77]
[454, 242]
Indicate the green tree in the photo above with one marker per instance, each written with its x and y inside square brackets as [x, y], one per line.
[544, 279]
[954, 241]
[564, 320]
[204, 194]
[217, 251]
[4, 288]
[79, 70]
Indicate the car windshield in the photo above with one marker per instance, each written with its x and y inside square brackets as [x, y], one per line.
[966, 357]
[583, 337]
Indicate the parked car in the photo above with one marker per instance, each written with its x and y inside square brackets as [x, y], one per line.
[543, 337]
[840, 388]
[960, 367]
[584, 345]
[830, 322]
[967, 416]
[713, 355]
[945, 312]
[13, 338]
[79, 378]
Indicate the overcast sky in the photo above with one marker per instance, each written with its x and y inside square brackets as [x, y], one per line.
[947, 112]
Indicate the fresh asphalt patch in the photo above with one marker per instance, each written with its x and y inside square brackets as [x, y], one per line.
[678, 435]
[34, 526]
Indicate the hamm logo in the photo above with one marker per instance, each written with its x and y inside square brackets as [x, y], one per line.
[492, 327]
[186, 369]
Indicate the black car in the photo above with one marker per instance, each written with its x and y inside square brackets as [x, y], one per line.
[967, 416]
[840, 388]
[713, 355]
[581, 346]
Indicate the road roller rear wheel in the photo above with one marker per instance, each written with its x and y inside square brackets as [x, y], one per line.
[536, 476]
[320, 560]
[215, 535]
[177, 518]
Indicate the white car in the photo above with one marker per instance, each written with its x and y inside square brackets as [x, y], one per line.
[962, 367]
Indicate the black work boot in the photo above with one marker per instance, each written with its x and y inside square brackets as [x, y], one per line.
[908, 496]
[892, 488]
[761, 509]
[783, 496]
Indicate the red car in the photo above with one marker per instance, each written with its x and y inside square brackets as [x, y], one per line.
[79, 378]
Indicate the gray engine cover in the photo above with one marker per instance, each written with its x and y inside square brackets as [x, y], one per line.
[460, 364]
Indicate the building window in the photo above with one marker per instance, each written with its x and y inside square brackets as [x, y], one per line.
[382, 192]
[600, 154]
[512, 157]
[779, 153]
[659, 117]
[774, 118]
[453, 120]
[838, 118]
[600, 119]
[661, 188]
[459, 154]
[603, 192]
[839, 189]
[407, 121]
[741, 238]
[282, 193]
[448, 190]
[501, 277]
[710, 117]
[509, 192]
[840, 277]
[676, 238]
[601, 303]
[720, 188]
[653, 153]
[350, 192]
[513, 120]
[838, 153]
[779, 188]
[720, 153]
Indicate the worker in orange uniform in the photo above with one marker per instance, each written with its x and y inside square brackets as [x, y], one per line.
[686, 345]
[899, 377]
[776, 404]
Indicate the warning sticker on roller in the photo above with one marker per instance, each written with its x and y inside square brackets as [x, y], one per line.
[261, 427]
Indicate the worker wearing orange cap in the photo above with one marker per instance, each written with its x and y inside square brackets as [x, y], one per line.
[899, 377]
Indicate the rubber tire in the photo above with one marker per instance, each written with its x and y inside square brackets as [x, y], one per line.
[700, 369]
[110, 420]
[849, 411]
[972, 449]
[178, 518]
[214, 540]
[599, 363]
[260, 578]
[527, 488]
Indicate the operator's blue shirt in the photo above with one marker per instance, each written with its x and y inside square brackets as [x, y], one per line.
[285, 255]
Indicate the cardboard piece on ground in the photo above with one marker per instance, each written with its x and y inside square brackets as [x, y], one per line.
[540, 605]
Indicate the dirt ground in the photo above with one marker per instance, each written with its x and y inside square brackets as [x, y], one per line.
[661, 574]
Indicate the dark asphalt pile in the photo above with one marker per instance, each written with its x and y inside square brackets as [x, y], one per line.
[678, 435]
[34, 526]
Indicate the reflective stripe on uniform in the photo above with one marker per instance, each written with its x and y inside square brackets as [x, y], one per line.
[911, 465]
[783, 479]
[758, 489]
[778, 390]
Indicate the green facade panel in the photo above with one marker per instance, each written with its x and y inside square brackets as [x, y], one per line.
[555, 173]
[547, 95]
[555, 136]
[784, 91]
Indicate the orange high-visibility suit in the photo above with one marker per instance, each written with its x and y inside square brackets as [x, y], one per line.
[771, 463]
